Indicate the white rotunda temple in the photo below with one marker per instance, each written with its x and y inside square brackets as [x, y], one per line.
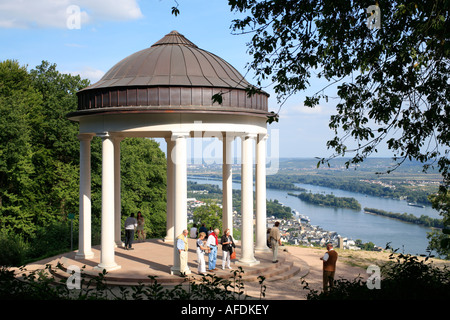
[165, 91]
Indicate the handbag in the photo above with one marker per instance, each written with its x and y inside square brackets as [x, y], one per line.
[233, 252]
[233, 255]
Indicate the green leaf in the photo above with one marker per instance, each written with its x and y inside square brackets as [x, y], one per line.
[217, 98]
[175, 11]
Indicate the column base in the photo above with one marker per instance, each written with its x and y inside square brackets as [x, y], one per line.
[101, 267]
[119, 244]
[86, 255]
[264, 249]
[167, 239]
[247, 263]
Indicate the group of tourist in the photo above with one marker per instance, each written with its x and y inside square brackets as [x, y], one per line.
[207, 244]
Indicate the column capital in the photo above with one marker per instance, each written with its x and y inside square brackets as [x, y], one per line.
[85, 136]
[179, 134]
[248, 135]
[109, 135]
[103, 135]
[263, 136]
[118, 138]
[228, 136]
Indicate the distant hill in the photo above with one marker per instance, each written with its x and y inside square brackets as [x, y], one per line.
[371, 164]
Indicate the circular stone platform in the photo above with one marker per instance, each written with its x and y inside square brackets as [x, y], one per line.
[154, 257]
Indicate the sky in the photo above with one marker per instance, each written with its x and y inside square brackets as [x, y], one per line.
[88, 37]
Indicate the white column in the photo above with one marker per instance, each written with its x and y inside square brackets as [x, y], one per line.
[227, 188]
[261, 215]
[107, 238]
[117, 193]
[170, 192]
[247, 254]
[84, 238]
[179, 157]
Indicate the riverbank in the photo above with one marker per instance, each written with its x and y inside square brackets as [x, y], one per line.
[352, 224]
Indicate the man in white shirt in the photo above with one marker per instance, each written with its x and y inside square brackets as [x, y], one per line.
[329, 267]
[130, 227]
[212, 243]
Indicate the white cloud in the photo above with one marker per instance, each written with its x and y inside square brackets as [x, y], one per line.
[302, 110]
[89, 73]
[55, 13]
[117, 10]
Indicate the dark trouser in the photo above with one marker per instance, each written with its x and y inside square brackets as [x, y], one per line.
[129, 237]
[328, 279]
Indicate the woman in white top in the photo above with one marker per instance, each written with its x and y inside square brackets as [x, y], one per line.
[201, 249]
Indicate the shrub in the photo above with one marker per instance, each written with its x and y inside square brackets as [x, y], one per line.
[13, 249]
[41, 285]
[404, 278]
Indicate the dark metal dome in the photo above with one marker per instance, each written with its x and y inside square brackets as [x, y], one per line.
[173, 74]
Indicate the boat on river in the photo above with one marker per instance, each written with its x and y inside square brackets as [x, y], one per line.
[303, 218]
[412, 204]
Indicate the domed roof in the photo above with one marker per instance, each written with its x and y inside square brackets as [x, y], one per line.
[173, 61]
[185, 76]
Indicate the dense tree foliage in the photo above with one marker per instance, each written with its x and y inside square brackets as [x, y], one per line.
[328, 200]
[143, 175]
[39, 163]
[210, 214]
[440, 241]
[18, 101]
[389, 64]
[278, 210]
[39, 147]
[386, 63]
[408, 217]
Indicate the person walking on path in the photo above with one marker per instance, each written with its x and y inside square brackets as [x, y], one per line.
[140, 227]
[182, 246]
[193, 232]
[130, 227]
[201, 250]
[227, 248]
[212, 243]
[329, 267]
[275, 241]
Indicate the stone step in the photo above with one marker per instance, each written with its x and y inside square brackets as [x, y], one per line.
[283, 269]
[293, 271]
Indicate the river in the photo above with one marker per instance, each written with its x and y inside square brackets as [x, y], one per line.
[354, 224]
